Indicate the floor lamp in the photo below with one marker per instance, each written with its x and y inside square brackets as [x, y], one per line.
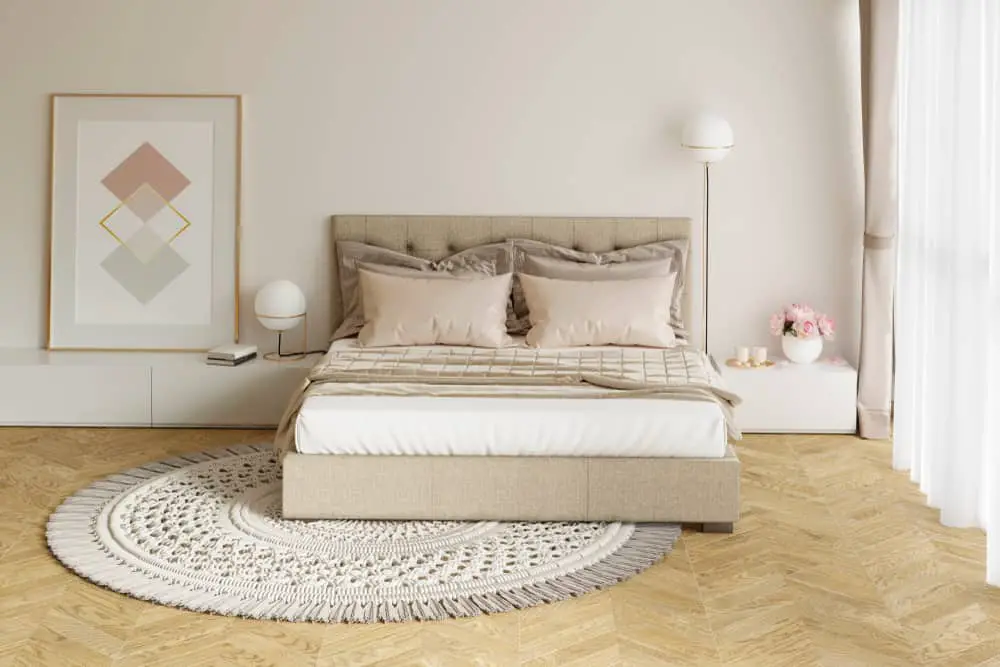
[707, 138]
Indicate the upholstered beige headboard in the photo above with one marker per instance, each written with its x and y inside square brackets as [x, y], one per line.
[435, 237]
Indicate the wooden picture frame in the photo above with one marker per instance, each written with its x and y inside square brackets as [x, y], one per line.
[145, 221]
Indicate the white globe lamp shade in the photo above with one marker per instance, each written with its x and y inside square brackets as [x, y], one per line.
[280, 305]
[707, 138]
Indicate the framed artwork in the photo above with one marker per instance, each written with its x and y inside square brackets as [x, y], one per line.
[145, 221]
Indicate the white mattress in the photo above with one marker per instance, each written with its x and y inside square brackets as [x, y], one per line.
[495, 426]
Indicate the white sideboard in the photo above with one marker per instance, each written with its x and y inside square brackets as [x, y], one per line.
[142, 389]
[169, 389]
[795, 398]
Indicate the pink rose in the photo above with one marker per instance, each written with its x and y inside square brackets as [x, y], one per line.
[777, 324]
[799, 311]
[826, 326]
[805, 328]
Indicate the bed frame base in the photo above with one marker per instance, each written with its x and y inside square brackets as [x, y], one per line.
[716, 528]
[509, 488]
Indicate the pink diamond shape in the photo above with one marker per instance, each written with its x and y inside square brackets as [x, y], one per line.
[145, 165]
[145, 202]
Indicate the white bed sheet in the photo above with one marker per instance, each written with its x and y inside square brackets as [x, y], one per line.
[495, 426]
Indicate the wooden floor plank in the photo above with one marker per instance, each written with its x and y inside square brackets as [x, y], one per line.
[837, 561]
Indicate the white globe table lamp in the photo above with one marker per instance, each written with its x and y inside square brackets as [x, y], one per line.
[707, 138]
[281, 306]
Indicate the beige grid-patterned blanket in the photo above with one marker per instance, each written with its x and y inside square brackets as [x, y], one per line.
[680, 373]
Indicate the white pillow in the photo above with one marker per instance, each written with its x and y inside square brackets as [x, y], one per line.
[405, 310]
[568, 313]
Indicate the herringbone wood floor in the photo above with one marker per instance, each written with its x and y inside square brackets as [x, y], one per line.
[836, 562]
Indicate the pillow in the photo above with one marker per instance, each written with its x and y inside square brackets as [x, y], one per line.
[661, 258]
[404, 310]
[486, 260]
[568, 313]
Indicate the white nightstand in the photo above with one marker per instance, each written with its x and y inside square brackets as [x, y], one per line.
[795, 398]
[253, 394]
[38, 387]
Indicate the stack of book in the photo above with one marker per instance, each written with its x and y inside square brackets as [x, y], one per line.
[231, 355]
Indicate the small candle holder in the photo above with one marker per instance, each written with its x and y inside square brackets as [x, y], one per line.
[749, 358]
[750, 365]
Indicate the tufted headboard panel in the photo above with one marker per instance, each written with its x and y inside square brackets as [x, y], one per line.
[436, 237]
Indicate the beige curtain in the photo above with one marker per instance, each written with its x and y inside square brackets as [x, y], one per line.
[879, 77]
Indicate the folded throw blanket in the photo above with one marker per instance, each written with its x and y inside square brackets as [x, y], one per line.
[678, 373]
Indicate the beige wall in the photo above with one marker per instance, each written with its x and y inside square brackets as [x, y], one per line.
[546, 107]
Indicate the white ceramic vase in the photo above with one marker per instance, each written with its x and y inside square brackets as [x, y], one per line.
[802, 350]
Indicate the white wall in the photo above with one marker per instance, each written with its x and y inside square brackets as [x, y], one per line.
[545, 107]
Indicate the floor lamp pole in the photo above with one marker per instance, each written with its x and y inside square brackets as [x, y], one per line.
[704, 265]
[709, 138]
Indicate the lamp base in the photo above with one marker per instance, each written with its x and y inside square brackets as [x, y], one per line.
[280, 356]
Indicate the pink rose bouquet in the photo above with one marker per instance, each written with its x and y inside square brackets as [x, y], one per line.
[801, 321]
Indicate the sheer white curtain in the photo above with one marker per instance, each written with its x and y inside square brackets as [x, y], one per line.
[947, 393]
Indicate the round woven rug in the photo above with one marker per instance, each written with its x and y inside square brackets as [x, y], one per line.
[204, 532]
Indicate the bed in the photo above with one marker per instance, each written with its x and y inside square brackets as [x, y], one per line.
[420, 449]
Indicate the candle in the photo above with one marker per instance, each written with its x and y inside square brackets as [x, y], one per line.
[743, 354]
[759, 354]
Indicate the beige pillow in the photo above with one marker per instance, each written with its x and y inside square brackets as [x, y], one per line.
[486, 260]
[568, 313]
[661, 258]
[404, 310]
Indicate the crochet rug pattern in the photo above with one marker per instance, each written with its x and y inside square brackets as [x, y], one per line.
[204, 532]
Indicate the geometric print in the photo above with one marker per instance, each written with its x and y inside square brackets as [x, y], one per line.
[145, 223]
